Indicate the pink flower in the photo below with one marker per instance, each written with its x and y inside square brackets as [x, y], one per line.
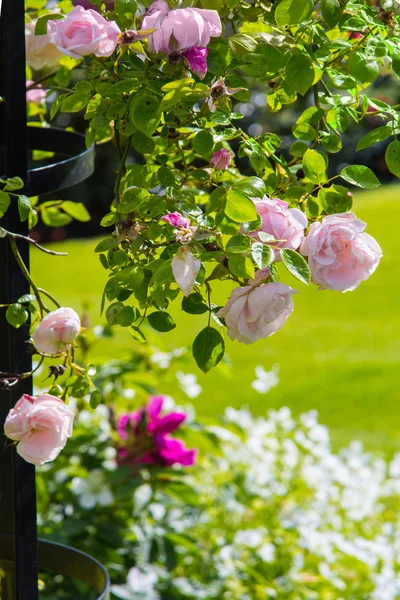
[40, 52]
[257, 311]
[84, 32]
[196, 59]
[56, 332]
[185, 268]
[180, 29]
[285, 224]
[176, 220]
[221, 159]
[41, 425]
[36, 95]
[147, 437]
[340, 254]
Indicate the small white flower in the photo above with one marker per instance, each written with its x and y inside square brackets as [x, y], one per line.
[249, 537]
[92, 491]
[266, 380]
[188, 384]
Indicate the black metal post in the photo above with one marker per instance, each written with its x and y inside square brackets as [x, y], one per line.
[17, 478]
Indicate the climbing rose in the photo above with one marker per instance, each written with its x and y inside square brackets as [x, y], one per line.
[176, 220]
[285, 224]
[40, 52]
[196, 59]
[36, 95]
[41, 425]
[340, 254]
[257, 310]
[180, 29]
[221, 159]
[84, 32]
[56, 332]
[147, 438]
[185, 268]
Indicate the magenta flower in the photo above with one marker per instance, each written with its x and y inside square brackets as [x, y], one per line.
[176, 220]
[147, 438]
[196, 59]
[221, 159]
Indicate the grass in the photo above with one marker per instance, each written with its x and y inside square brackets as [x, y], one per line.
[338, 353]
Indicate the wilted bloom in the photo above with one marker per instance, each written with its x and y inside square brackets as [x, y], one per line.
[41, 425]
[176, 220]
[196, 59]
[185, 268]
[221, 159]
[184, 231]
[56, 332]
[36, 95]
[218, 92]
[257, 311]
[148, 439]
[84, 32]
[340, 254]
[40, 52]
[285, 224]
[180, 29]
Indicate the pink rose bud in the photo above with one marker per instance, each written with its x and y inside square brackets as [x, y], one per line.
[176, 220]
[185, 268]
[257, 311]
[286, 224]
[56, 332]
[40, 52]
[84, 32]
[36, 95]
[221, 159]
[196, 59]
[180, 29]
[41, 425]
[340, 254]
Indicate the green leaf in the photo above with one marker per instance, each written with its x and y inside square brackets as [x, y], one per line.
[194, 304]
[108, 220]
[314, 166]
[296, 265]
[95, 399]
[4, 203]
[241, 266]
[393, 157]
[13, 183]
[291, 12]
[332, 143]
[123, 7]
[24, 207]
[360, 176]
[126, 317]
[74, 103]
[142, 143]
[362, 68]
[335, 199]
[372, 137]
[331, 12]
[106, 244]
[238, 244]
[263, 255]
[17, 315]
[76, 210]
[208, 349]
[54, 217]
[299, 73]
[112, 313]
[203, 142]
[144, 112]
[251, 186]
[239, 207]
[41, 23]
[161, 321]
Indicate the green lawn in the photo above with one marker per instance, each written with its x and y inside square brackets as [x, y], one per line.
[338, 353]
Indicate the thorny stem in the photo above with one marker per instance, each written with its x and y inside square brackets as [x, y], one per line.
[27, 276]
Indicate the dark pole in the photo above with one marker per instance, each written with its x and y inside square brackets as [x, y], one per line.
[17, 478]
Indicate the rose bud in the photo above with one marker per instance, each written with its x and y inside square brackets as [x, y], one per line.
[56, 332]
[221, 159]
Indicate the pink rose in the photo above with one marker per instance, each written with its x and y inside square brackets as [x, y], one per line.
[56, 332]
[340, 254]
[221, 159]
[84, 32]
[196, 60]
[36, 95]
[185, 268]
[180, 29]
[285, 224]
[257, 311]
[176, 220]
[41, 425]
[40, 52]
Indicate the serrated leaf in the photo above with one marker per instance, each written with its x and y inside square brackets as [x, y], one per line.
[296, 265]
[362, 68]
[314, 166]
[251, 186]
[360, 176]
[372, 137]
[263, 255]
[239, 207]
[208, 349]
[291, 12]
[241, 266]
[300, 73]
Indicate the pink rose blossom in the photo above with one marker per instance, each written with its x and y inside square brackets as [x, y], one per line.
[285, 224]
[36, 95]
[196, 59]
[84, 32]
[340, 254]
[147, 438]
[176, 220]
[257, 310]
[221, 159]
[41, 425]
[180, 29]
[56, 332]
[40, 52]
[185, 268]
